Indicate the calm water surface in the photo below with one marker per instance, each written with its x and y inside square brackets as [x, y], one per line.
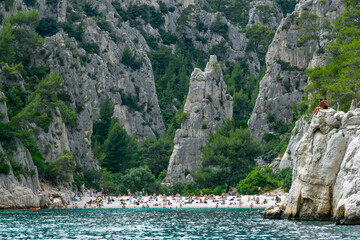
[162, 224]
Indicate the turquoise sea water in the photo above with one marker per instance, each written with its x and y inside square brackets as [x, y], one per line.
[162, 224]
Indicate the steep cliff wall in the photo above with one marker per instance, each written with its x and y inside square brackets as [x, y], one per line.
[285, 79]
[87, 52]
[207, 107]
[325, 159]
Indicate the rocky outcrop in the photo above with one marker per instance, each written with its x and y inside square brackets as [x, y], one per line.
[92, 69]
[325, 156]
[265, 12]
[19, 191]
[207, 107]
[285, 80]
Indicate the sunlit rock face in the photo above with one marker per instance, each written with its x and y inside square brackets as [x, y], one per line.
[286, 61]
[325, 156]
[207, 107]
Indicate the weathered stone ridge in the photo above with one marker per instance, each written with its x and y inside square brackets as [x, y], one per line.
[207, 107]
[285, 79]
[325, 155]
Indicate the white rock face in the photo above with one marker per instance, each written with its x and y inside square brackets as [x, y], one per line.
[325, 155]
[285, 79]
[21, 191]
[208, 106]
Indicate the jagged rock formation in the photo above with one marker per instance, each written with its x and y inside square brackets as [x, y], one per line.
[285, 79]
[90, 76]
[207, 107]
[20, 191]
[265, 12]
[325, 156]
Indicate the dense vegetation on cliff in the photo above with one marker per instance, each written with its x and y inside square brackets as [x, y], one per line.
[338, 80]
[36, 100]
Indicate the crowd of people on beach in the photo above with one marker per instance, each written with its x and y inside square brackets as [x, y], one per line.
[90, 198]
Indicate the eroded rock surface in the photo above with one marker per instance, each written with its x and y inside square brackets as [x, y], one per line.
[207, 107]
[286, 61]
[325, 156]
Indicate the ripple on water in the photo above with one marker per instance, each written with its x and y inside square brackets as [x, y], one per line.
[162, 224]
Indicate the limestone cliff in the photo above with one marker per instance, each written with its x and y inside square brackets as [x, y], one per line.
[265, 13]
[285, 79]
[325, 156]
[92, 68]
[207, 107]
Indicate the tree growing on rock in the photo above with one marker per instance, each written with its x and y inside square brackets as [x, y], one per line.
[228, 158]
[61, 170]
[121, 150]
[312, 27]
[339, 79]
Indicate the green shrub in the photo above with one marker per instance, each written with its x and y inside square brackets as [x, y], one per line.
[181, 116]
[183, 20]
[17, 169]
[265, 12]
[260, 38]
[285, 66]
[270, 137]
[91, 12]
[156, 19]
[8, 4]
[219, 49]
[79, 180]
[43, 121]
[47, 27]
[103, 24]
[219, 27]
[285, 175]
[260, 177]
[64, 96]
[68, 116]
[91, 48]
[58, 171]
[152, 42]
[76, 33]
[30, 3]
[73, 17]
[270, 117]
[50, 2]
[218, 190]
[162, 175]
[167, 37]
[129, 59]
[131, 102]
[79, 107]
[163, 8]
[286, 6]
[120, 11]
[4, 168]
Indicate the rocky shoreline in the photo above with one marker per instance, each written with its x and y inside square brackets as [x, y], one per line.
[325, 156]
